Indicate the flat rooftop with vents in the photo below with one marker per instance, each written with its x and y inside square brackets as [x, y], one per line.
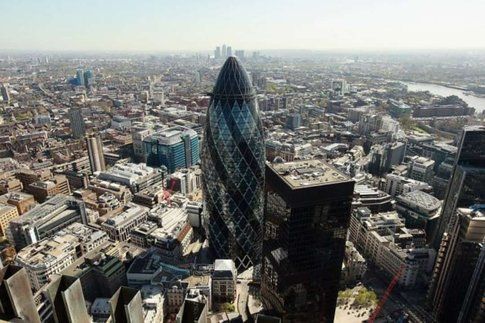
[307, 173]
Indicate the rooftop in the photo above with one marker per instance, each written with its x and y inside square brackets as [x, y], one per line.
[307, 173]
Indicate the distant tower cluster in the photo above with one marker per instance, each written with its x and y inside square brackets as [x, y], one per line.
[83, 78]
[227, 52]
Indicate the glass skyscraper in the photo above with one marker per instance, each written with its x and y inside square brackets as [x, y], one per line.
[465, 187]
[233, 158]
[174, 148]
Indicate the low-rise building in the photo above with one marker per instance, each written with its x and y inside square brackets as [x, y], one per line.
[224, 279]
[134, 176]
[119, 226]
[397, 185]
[385, 241]
[45, 219]
[7, 214]
[52, 255]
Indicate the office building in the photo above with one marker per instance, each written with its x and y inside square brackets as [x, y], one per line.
[224, 51]
[100, 274]
[217, 52]
[395, 185]
[119, 226]
[372, 198]
[42, 190]
[138, 136]
[458, 284]
[465, 187]
[7, 213]
[384, 239]
[80, 77]
[307, 215]
[223, 281]
[5, 93]
[399, 109]
[239, 54]
[16, 300]
[135, 177]
[78, 127]
[45, 219]
[22, 201]
[421, 169]
[52, 255]
[174, 148]
[194, 309]
[420, 211]
[233, 167]
[229, 51]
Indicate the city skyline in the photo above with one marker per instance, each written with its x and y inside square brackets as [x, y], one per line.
[191, 26]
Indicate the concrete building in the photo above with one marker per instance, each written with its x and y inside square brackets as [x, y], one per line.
[100, 274]
[7, 213]
[385, 241]
[224, 279]
[134, 176]
[194, 309]
[371, 197]
[119, 226]
[420, 211]
[22, 201]
[138, 136]
[458, 284]
[45, 219]
[186, 180]
[41, 190]
[355, 265]
[397, 185]
[78, 127]
[421, 169]
[52, 255]
[95, 152]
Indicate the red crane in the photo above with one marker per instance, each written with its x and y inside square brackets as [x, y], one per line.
[386, 295]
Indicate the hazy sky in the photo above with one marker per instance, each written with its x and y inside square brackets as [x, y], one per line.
[157, 25]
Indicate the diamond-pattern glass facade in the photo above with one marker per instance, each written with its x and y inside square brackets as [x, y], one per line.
[233, 168]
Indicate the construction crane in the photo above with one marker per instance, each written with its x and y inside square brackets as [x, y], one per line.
[384, 298]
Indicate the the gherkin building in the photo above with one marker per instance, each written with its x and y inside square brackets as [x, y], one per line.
[233, 163]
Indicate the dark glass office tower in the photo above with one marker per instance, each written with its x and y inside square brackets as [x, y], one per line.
[466, 185]
[307, 214]
[232, 158]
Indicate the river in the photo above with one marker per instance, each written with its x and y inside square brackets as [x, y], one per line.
[471, 100]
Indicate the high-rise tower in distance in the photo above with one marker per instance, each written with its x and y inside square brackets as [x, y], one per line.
[306, 217]
[466, 184]
[95, 152]
[78, 128]
[233, 157]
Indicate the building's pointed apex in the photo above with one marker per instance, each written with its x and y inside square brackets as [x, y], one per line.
[233, 80]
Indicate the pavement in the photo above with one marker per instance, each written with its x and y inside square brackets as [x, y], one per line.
[410, 302]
